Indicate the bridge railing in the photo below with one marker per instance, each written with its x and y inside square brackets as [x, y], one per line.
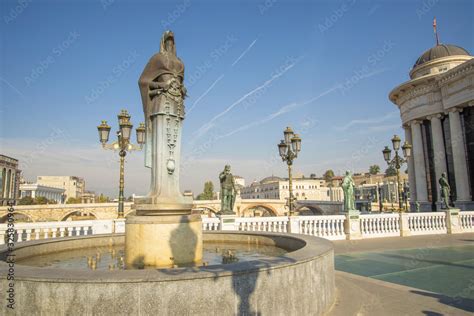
[380, 225]
[265, 224]
[45, 230]
[467, 221]
[332, 227]
[427, 223]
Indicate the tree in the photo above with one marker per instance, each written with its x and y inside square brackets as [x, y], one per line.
[328, 175]
[26, 200]
[41, 200]
[374, 169]
[391, 171]
[208, 192]
[103, 198]
[72, 200]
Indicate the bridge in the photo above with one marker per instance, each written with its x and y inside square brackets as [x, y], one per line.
[243, 208]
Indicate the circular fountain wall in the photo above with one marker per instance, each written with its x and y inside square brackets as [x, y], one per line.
[296, 283]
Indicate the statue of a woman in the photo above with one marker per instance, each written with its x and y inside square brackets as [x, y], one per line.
[163, 92]
[445, 190]
[348, 188]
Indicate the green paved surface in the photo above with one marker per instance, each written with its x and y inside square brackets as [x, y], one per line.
[444, 270]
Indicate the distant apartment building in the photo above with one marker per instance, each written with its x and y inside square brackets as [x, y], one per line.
[303, 189]
[35, 190]
[9, 179]
[74, 186]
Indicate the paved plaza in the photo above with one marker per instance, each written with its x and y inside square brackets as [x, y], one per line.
[443, 263]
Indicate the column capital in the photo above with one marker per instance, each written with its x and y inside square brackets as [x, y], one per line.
[416, 122]
[455, 110]
[435, 116]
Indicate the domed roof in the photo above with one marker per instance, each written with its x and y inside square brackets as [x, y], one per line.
[440, 51]
[270, 179]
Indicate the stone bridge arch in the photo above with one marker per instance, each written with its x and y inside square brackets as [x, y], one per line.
[309, 210]
[4, 217]
[259, 209]
[78, 214]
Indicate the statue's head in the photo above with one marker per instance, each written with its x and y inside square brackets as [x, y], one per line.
[443, 175]
[348, 173]
[227, 168]
[167, 43]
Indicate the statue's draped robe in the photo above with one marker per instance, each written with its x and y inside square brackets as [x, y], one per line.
[348, 188]
[164, 113]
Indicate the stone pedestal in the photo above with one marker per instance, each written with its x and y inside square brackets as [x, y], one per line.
[162, 240]
[453, 223]
[228, 222]
[352, 225]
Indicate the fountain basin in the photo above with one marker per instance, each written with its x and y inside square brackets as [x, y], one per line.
[297, 283]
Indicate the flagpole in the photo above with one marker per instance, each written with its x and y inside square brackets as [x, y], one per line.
[435, 31]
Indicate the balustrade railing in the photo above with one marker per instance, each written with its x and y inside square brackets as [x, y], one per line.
[263, 224]
[329, 227]
[427, 223]
[466, 220]
[380, 225]
[210, 223]
[45, 230]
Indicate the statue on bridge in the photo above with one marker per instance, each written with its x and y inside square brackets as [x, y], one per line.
[348, 188]
[445, 191]
[228, 192]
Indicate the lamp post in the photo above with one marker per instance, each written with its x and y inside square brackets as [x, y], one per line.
[123, 144]
[289, 148]
[397, 162]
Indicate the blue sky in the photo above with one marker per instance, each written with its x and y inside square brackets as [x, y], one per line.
[252, 68]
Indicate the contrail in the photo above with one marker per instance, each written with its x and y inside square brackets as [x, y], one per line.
[245, 52]
[373, 120]
[206, 127]
[205, 93]
[284, 109]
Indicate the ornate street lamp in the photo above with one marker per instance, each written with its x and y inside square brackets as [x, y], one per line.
[122, 144]
[397, 162]
[289, 148]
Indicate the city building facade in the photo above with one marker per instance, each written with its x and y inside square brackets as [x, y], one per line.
[74, 186]
[9, 179]
[303, 189]
[436, 108]
[35, 190]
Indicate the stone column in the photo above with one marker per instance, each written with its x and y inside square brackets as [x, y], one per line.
[411, 167]
[419, 161]
[459, 156]
[438, 149]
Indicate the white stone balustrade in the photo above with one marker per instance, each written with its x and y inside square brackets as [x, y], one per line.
[380, 225]
[427, 223]
[467, 221]
[329, 226]
[45, 230]
[277, 224]
[210, 223]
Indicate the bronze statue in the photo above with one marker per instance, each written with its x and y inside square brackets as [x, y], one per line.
[228, 191]
[445, 190]
[163, 92]
[348, 188]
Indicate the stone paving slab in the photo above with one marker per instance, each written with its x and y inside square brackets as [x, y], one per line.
[359, 295]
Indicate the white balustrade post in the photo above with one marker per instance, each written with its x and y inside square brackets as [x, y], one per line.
[404, 225]
[453, 221]
[352, 225]
[119, 226]
[293, 225]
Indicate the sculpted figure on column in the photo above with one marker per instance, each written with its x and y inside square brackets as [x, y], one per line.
[348, 188]
[228, 191]
[163, 92]
[445, 190]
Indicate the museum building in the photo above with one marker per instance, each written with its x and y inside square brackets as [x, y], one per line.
[436, 108]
